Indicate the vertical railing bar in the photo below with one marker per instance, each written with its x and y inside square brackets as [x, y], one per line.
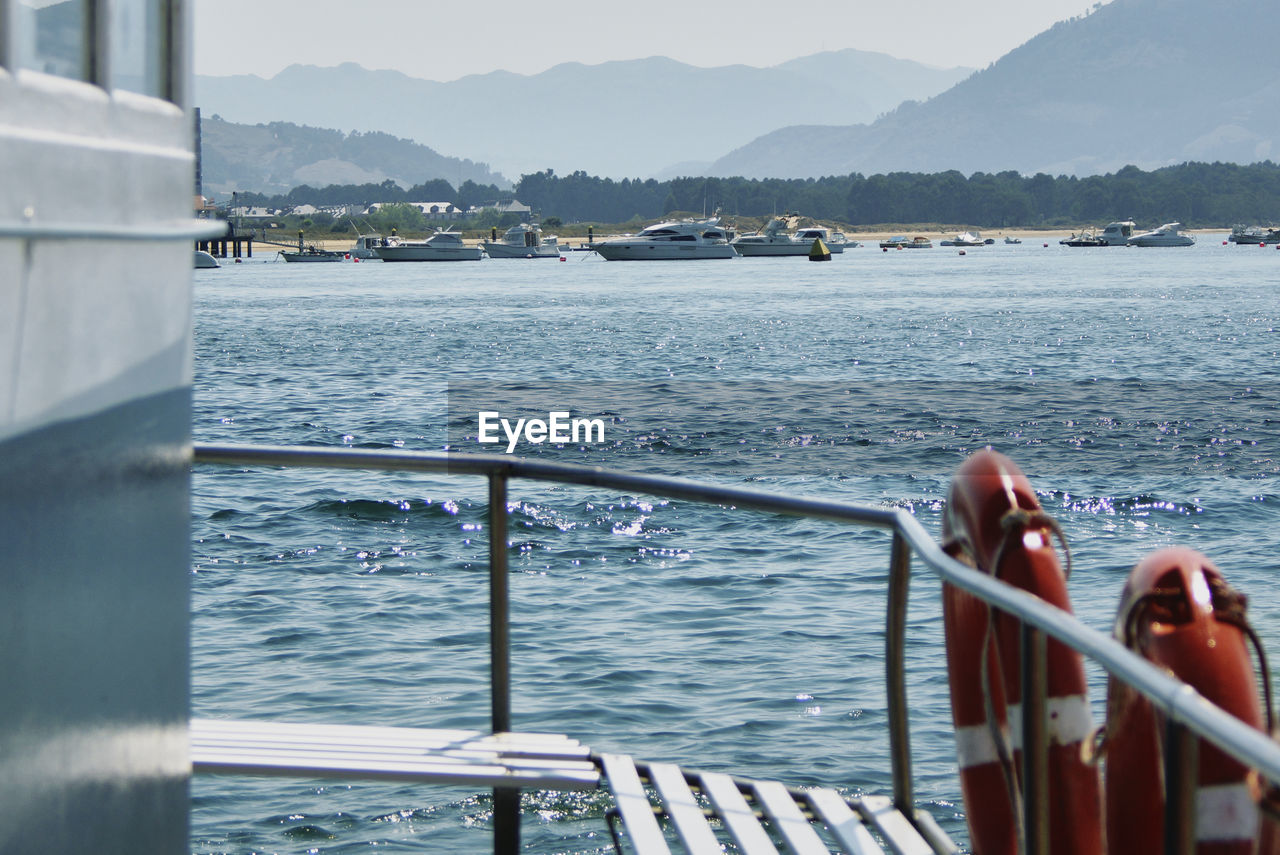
[1182, 762]
[1035, 740]
[506, 800]
[97, 43]
[895, 675]
[8, 35]
[175, 54]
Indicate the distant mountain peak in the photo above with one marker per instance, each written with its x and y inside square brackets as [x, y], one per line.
[523, 123]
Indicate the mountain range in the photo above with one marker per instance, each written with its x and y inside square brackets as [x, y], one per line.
[1143, 82]
[1147, 83]
[278, 156]
[634, 118]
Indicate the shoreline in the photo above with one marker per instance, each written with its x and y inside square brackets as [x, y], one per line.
[867, 238]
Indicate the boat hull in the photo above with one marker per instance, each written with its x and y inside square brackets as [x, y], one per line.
[504, 250]
[751, 250]
[428, 253]
[663, 251]
[309, 257]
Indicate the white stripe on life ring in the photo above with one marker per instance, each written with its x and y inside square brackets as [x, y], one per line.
[1070, 720]
[1226, 812]
[974, 746]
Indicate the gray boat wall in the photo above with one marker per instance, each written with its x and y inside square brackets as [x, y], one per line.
[95, 414]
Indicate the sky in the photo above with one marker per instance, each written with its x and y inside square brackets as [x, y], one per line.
[445, 41]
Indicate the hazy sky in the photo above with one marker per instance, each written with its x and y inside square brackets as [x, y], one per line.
[445, 41]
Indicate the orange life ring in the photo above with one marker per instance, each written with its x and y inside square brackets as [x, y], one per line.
[994, 522]
[1178, 611]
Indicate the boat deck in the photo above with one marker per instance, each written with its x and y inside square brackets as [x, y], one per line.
[658, 808]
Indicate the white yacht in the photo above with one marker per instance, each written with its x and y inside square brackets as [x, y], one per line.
[964, 239]
[1166, 235]
[525, 240]
[670, 240]
[441, 246]
[1115, 234]
[835, 241]
[774, 240]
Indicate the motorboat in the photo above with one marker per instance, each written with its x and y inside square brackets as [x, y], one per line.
[895, 242]
[835, 241]
[1254, 235]
[444, 245]
[525, 240]
[1009, 239]
[1116, 234]
[311, 254]
[673, 239]
[775, 240]
[963, 239]
[1166, 235]
[364, 246]
[205, 260]
[919, 242]
[1083, 238]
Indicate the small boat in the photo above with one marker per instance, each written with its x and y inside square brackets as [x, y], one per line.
[1166, 235]
[1012, 240]
[774, 240]
[441, 246]
[1116, 234]
[364, 246]
[963, 239]
[895, 242]
[1254, 235]
[675, 239]
[522, 241]
[835, 241]
[1084, 238]
[311, 253]
[919, 242]
[205, 260]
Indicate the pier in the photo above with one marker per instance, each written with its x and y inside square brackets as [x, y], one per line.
[238, 241]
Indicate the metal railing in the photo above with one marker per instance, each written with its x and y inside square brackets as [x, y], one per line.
[1187, 713]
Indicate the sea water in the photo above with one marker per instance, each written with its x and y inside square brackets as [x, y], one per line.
[1137, 388]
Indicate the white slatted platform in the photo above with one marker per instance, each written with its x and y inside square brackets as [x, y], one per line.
[469, 757]
[706, 811]
[661, 806]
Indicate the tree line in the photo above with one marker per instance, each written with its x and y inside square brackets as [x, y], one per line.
[1195, 194]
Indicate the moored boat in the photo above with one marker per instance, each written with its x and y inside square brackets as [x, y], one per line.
[525, 240]
[919, 242]
[1116, 234]
[1166, 235]
[774, 240]
[1254, 235]
[311, 254]
[895, 242]
[671, 240]
[835, 241]
[441, 246]
[1082, 238]
[963, 239]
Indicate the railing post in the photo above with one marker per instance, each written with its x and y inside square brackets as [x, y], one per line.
[506, 800]
[895, 676]
[1035, 740]
[1181, 765]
